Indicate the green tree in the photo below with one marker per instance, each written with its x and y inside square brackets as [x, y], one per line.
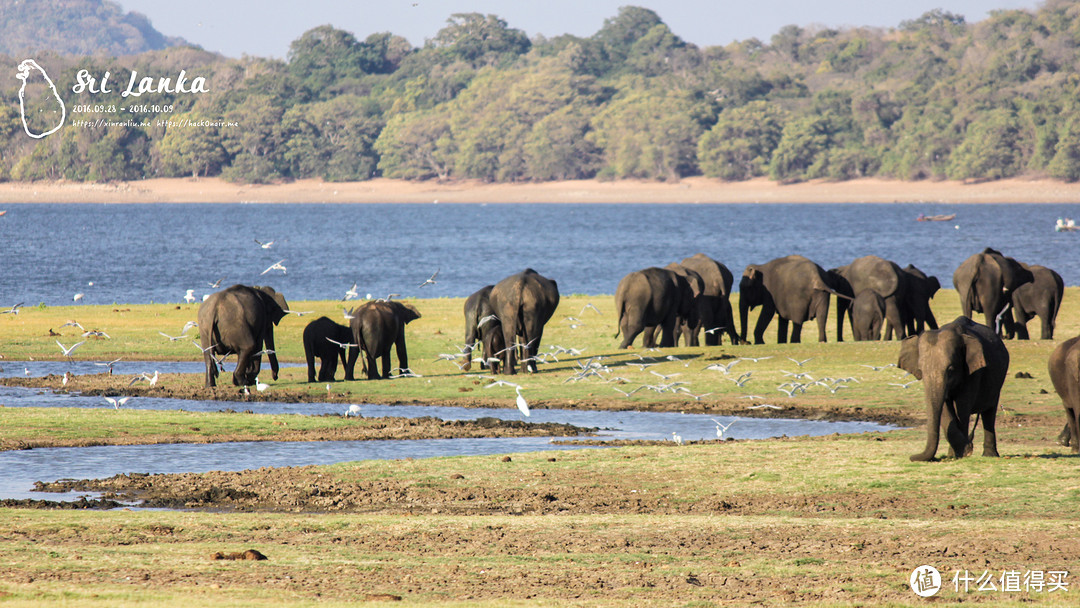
[558, 147]
[802, 152]
[989, 148]
[1066, 161]
[418, 145]
[740, 144]
[332, 139]
[648, 134]
[191, 150]
[480, 40]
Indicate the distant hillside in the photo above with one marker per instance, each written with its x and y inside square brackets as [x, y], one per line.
[76, 27]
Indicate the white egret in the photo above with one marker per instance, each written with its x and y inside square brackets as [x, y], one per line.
[522, 405]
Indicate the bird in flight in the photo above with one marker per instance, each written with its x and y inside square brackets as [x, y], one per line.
[351, 293]
[14, 310]
[343, 345]
[276, 266]
[189, 297]
[216, 283]
[96, 333]
[68, 350]
[116, 403]
[431, 280]
[265, 245]
[348, 314]
[588, 306]
[172, 338]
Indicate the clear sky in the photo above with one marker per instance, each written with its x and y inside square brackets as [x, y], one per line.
[266, 28]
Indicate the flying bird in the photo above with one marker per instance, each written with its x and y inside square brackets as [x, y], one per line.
[343, 345]
[216, 283]
[172, 338]
[14, 310]
[71, 349]
[431, 280]
[275, 266]
[351, 293]
[189, 297]
[265, 245]
[721, 429]
[587, 306]
[116, 403]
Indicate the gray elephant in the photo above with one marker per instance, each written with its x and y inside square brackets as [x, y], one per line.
[323, 340]
[867, 316]
[1042, 297]
[481, 323]
[524, 303]
[793, 288]
[648, 299]
[716, 312]
[963, 366]
[921, 289]
[689, 326]
[986, 282]
[881, 276]
[1064, 367]
[240, 320]
[377, 326]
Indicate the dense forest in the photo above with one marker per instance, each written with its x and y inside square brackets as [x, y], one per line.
[76, 27]
[933, 98]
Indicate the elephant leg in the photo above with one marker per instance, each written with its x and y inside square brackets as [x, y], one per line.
[781, 330]
[1065, 436]
[510, 352]
[989, 418]
[271, 355]
[956, 432]
[796, 332]
[402, 351]
[767, 312]
[350, 365]
[386, 364]
[1074, 427]
[372, 370]
[211, 368]
[1047, 326]
[648, 336]
[667, 332]
[893, 315]
[243, 365]
[842, 307]
[309, 355]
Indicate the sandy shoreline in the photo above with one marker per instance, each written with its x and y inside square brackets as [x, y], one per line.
[690, 190]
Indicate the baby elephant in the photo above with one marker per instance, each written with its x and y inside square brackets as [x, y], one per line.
[867, 315]
[962, 365]
[323, 339]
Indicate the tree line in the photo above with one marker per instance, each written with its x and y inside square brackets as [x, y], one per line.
[934, 98]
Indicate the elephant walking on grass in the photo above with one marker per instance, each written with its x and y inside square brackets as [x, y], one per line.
[1042, 297]
[793, 288]
[240, 320]
[986, 282]
[524, 303]
[716, 313]
[323, 339]
[481, 323]
[377, 326]
[962, 366]
[867, 316]
[649, 299]
[882, 277]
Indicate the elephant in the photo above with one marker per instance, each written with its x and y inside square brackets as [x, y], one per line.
[921, 289]
[689, 325]
[650, 298]
[376, 326]
[482, 324]
[985, 282]
[1042, 296]
[867, 315]
[523, 302]
[793, 288]
[881, 276]
[319, 342]
[240, 320]
[1064, 367]
[716, 313]
[963, 366]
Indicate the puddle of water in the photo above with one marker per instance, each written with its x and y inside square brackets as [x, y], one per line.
[19, 469]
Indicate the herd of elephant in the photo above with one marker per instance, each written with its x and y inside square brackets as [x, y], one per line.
[962, 364]
[874, 295]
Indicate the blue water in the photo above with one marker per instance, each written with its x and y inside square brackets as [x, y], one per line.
[154, 253]
[20, 469]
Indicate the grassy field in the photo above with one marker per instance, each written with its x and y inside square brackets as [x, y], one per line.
[839, 520]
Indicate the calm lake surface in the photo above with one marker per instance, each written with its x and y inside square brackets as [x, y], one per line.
[153, 253]
[20, 469]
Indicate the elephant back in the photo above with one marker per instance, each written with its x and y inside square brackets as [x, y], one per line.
[874, 273]
[718, 279]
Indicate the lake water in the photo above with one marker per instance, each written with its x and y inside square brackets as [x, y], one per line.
[154, 253]
[20, 469]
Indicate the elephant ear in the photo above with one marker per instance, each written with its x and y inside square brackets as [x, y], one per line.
[408, 313]
[275, 302]
[752, 273]
[909, 356]
[974, 353]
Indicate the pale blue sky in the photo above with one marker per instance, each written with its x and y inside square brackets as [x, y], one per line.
[266, 28]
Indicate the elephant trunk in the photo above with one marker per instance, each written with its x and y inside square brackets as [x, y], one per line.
[744, 315]
[934, 391]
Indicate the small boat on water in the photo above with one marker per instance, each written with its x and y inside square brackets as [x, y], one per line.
[3, 212]
[935, 218]
[1066, 225]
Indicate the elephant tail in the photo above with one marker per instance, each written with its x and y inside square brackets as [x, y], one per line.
[620, 306]
[837, 293]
